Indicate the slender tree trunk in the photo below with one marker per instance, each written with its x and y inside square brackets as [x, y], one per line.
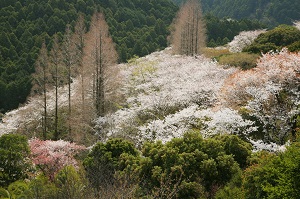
[45, 106]
[69, 99]
[69, 54]
[56, 102]
[101, 80]
[40, 81]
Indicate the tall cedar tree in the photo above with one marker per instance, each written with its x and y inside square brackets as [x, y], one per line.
[69, 60]
[188, 36]
[57, 74]
[82, 107]
[79, 40]
[40, 82]
[103, 59]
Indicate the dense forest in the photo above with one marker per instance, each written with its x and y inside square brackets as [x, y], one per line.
[137, 27]
[271, 12]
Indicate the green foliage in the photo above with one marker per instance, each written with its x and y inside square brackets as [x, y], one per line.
[70, 183]
[242, 60]
[294, 47]
[14, 164]
[25, 25]
[4, 194]
[191, 166]
[276, 39]
[18, 189]
[104, 160]
[240, 149]
[41, 187]
[274, 176]
[222, 30]
[229, 193]
[271, 12]
[187, 167]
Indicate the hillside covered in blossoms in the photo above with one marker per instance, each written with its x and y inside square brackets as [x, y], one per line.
[167, 95]
[188, 121]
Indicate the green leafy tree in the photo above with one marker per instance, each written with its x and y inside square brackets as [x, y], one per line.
[102, 163]
[275, 39]
[41, 187]
[14, 162]
[70, 183]
[274, 176]
[240, 149]
[191, 167]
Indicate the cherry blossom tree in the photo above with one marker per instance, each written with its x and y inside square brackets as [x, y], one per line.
[269, 94]
[165, 94]
[52, 156]
[245, 38]
[297, 24]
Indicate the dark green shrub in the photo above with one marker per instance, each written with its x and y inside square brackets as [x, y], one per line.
[275, 39]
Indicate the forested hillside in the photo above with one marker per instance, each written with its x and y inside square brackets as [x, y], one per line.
[271, 12]
[188, 121]
[137, 27]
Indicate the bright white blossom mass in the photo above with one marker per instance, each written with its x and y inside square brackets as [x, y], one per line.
[244, 39]
[167, 95]
[297, 24]
[170, 94]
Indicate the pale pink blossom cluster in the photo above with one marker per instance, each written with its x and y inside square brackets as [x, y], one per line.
[31, 111]
[163, 91]
[297, 24]
[269, 93]
[259, 145]
[51, 156]
[209, 121]
[244, 39]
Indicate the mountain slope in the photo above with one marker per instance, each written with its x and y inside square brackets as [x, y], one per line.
[166, 95]
[271, 12]
[137, 27]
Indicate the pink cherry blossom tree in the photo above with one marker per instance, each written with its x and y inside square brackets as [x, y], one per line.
[244, 39]
[51, 156]
[268, 93]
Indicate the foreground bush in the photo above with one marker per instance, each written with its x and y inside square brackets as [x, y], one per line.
[187, 167]
[14, 162]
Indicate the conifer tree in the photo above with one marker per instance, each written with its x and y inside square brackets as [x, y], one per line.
[188, 36]
[79, 41]
[40, 82]
[103, 58]
[69, 60]
[57, 77]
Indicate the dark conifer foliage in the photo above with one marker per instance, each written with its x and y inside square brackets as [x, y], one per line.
[271, 12]
[26, 24]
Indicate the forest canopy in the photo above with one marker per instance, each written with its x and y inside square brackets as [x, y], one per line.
[137, 28]
[271, 12]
